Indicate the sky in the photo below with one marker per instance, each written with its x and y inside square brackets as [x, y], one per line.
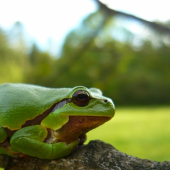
[53, 19]
[147, 9]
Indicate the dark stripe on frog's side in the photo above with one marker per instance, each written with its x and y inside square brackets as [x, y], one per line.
[35, 121]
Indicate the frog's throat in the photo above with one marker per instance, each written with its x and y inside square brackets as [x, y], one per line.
[75, 128]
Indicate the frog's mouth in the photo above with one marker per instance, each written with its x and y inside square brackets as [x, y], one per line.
[75, 128]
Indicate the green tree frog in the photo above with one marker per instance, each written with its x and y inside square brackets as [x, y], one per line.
[49, 123]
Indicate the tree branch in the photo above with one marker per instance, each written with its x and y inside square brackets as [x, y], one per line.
[156, 26]
[96, 155]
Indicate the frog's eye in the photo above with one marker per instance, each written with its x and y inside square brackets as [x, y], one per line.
[81, 98]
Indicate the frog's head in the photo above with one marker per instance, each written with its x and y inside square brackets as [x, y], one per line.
[80, 111]
[85, 102]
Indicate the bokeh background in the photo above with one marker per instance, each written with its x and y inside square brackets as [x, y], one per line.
[122, 48]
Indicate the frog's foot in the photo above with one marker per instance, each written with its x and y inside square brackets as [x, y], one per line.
[82, 139]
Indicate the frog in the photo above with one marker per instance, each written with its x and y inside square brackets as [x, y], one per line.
[49, 123]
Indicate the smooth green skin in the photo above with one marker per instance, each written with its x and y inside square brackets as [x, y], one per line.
[22, 102]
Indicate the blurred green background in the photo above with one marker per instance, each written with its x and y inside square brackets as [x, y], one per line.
[133, 69]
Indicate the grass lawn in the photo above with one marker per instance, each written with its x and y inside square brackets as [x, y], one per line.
[143, 132]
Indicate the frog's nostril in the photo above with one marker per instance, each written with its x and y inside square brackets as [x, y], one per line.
[105, 101]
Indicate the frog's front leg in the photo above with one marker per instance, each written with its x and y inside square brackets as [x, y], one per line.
[29, 140]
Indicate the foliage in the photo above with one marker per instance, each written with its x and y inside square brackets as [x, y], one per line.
[12, 62]
[98, 53]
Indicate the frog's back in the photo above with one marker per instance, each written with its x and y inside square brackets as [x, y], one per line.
[22, 102]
